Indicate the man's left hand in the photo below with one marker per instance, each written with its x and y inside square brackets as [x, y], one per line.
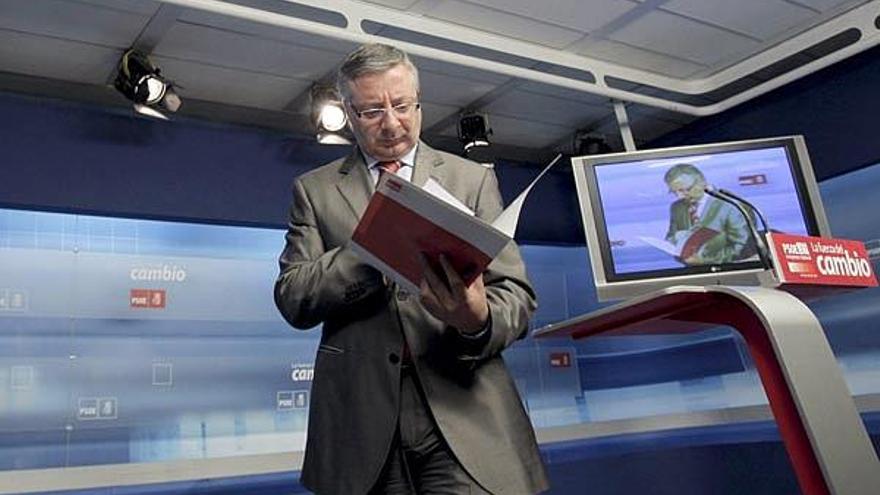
[458, 305]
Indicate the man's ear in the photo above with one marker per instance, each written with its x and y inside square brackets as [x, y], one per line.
[349, 116]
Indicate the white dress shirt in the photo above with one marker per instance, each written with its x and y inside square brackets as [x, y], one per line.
[407, 162]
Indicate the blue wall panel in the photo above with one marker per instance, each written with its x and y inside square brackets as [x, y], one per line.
[835, 109]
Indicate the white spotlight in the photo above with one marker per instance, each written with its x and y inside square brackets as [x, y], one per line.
[332, 117]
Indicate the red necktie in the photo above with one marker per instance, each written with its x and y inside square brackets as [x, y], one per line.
[390, 167]
[692, 211]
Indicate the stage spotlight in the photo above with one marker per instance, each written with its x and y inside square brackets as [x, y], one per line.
[474, 132]
[142, 83]
[586, 143]
[333, 117]
[328, 115]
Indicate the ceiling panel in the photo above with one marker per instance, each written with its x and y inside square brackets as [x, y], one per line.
[396, 4]
[647, 128]
[460, 72]
[509, 25]
[574, 14]
[435, 112]
[300, 10]
[266, 31]
[646, 123]
[639, 58]
[217, 47]
[145, 7]
[450, 90]
[73, 21]
[639, 111]
[234, 87]
[563, 93]
[519, 104]
[254, 67]
[684, 38]
[56, 59]
[525, 133]
[823, 5]
[763, 19]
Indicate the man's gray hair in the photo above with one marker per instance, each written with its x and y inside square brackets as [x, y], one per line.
[372, 58]
[680, 169]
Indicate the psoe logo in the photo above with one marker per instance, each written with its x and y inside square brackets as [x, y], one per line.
[89, 408]
[158, 273]
[302, 372]
[796, 248]
[148, 298]
[292, 399]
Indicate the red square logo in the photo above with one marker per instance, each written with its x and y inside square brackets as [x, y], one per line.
[560, 360]
[147, 298]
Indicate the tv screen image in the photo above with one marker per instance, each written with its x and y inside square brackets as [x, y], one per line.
[650, 224]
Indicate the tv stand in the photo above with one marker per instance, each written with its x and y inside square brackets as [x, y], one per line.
[823, 434]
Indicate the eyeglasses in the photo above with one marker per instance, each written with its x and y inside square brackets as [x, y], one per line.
[679, 187]
[401, 111]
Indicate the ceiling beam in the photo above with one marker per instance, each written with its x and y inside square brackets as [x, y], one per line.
[154, 30]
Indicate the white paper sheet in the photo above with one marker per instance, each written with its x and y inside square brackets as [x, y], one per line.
[508, 219]
[435, 189]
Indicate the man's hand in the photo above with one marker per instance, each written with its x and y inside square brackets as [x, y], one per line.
[692, 260]
[460, 306]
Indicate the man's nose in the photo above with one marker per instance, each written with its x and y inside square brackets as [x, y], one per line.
[389, 120]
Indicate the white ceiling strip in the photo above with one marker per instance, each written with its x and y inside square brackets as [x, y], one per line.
[861, 17]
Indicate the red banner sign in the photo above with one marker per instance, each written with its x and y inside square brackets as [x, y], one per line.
[821, 261]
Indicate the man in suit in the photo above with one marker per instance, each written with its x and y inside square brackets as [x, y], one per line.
[410, 393]
[695, 211]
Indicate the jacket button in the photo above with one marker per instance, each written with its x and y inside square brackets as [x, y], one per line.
[402, 296]
[393, 358]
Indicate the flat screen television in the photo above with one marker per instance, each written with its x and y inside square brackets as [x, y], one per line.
[649, 224]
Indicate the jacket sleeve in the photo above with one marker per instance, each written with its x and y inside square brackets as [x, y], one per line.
[511, 298]
[314, 282]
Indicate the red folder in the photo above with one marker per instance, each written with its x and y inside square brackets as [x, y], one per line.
[402, 221]
[695, 241]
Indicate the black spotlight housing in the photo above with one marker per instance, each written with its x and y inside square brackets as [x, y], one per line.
[590, 144]
[142, 83]
[474, 132]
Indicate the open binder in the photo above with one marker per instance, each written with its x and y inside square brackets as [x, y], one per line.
[402, 221]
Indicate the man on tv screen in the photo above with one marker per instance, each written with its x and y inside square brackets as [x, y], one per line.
[705, 229]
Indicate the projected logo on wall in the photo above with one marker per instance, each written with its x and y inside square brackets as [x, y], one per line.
[148, 298]
[302, 372]
[560, 360]
[292, 399]
[158, 273]
[13, 300]
[93, 408]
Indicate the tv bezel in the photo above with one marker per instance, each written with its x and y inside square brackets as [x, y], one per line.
[613, 285]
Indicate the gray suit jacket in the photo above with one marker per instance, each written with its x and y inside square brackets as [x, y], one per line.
[355, 392]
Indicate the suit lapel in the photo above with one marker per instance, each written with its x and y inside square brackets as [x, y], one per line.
[429, 163]
[355, 183]
[711, 212]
